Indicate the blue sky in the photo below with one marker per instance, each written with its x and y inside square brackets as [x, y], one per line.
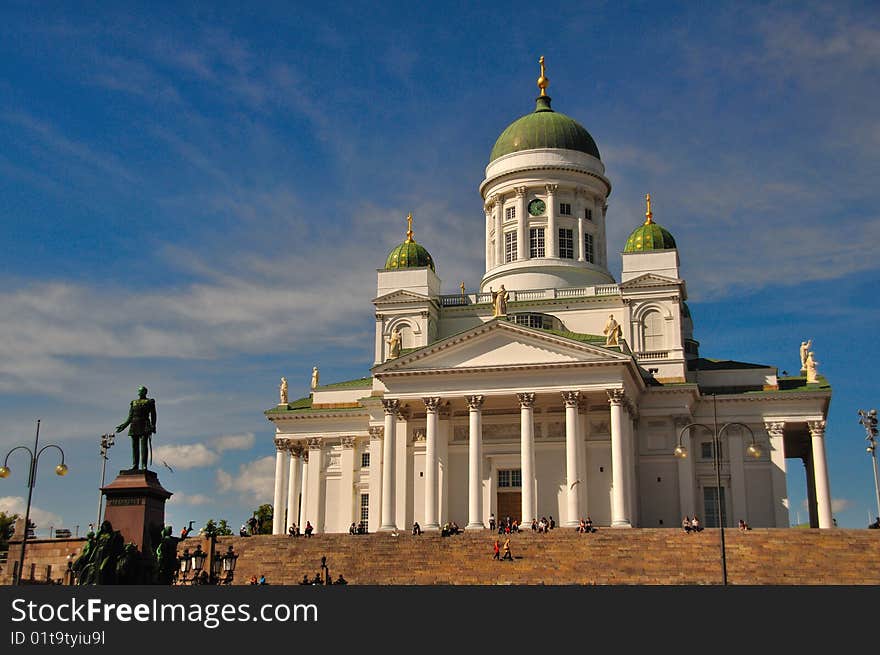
[195, 197]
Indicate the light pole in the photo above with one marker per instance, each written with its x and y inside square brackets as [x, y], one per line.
[107, 441]
[754, 450]
[869, 420]
[61, 469]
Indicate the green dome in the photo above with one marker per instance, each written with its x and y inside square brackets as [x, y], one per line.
[544, 128]
[409, 254]
[649, 236]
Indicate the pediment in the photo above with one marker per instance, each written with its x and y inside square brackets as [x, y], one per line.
[401, 296]
[649, 280]
[500, 344]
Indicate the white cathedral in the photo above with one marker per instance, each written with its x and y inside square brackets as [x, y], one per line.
[553, 391]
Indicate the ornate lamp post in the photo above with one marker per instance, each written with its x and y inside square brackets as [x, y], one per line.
[198, 564]
[754, 450]
[107, 441]
[869, 420]
[61, 469]
[183, 565]
[229, 560]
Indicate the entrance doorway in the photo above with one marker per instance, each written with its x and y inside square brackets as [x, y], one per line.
[510, 504]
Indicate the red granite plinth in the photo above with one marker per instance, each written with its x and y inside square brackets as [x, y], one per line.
[136, 507]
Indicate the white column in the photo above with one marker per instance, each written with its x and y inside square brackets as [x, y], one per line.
[475, 460]
[632, 453]
[551, 241]
[345, 513]
[522, 233]
[820, 473]
[375, 511]
[490, 226]
[431, 406]
[619, 518]
[278, 500]
[293, 486]
[579, 246]
[315, 512]
[572, 436]
[527, 455]
[775, 431]
[444, 430]
[687, 481]
[736, 462]
[304, 490]
[390, 407]
[499, 230]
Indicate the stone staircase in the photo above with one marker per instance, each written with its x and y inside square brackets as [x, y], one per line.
[563, 557]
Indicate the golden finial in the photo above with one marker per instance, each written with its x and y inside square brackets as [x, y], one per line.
[649, 217]
[543, 82]
[461, 286]
[409, 232]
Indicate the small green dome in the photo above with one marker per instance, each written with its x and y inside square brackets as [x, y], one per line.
[409, 254]
[544, 128]
[649, 236]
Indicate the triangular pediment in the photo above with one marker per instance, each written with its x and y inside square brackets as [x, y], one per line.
[649, 280]
[501, 344]
[400, 296]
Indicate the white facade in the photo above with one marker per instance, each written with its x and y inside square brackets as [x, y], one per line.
[532, 414]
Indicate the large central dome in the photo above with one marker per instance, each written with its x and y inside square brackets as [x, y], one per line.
[544, 128]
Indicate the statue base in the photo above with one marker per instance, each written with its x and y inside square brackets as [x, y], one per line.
[136, 507]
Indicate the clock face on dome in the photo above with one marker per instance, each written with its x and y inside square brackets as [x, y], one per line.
[536, 207]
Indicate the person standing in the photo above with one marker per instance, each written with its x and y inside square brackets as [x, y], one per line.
[497, 551]
[507, 554]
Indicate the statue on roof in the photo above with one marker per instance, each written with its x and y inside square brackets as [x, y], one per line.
[805, 349]
[810, 364]
[314, 378]
[499, 301]
[283, 391]
[612, 331]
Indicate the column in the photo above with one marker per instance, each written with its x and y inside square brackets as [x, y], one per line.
[777, 473]
[490, 226]
[527, 455]
[293, 483]
[390, 407]
[315, 512]
[551, 241]
[431, 406]
[375, 511]
[737, 478]
[522, 233]
[579, 246]
[499, 230]
[444, 431]
[812, 505]
[475, 459]
[631, 448]
[278, 500]
[820, 473]
[572, 436]
[619, 518]
[687, 480]
[345, 513]
[304, 490]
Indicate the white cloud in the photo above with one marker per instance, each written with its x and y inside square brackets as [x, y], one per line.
[42, 518]
[255, 479]
[185, 456]
[234, 442]
[837, 505]
[181, 498]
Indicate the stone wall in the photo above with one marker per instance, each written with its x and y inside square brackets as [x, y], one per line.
[45, 560]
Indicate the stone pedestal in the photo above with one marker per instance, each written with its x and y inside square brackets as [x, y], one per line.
[135, 505]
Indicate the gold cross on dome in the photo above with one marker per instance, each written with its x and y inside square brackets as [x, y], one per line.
[409, 231]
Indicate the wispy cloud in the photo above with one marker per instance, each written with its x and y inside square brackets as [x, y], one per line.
[42, 518]
[255, 480]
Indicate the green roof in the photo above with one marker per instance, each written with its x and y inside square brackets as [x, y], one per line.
[347, 384]
[409, 254]
[576, 336]
[544, 128]
[647, 237]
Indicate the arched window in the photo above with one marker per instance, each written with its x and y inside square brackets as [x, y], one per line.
[653, 332]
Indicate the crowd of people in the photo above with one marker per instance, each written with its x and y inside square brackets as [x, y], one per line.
[294, 530]
[691, 524]
[586, 526]
[357, 528]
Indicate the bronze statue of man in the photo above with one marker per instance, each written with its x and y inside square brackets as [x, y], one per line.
[141, 425]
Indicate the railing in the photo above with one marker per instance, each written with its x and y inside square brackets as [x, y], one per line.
[654, 354]
[459, 300]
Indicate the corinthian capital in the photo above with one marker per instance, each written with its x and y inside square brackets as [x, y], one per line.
[349, 442]
[817, 428]
[390, 405]
[520, 191]
[551, 188]
[295, 448]
[570, 398]
[432, 403]
[314, 443]
[526, 400]
[474, 402]
[774, 428]
[616, 396]
[281, 444]
[377, 432]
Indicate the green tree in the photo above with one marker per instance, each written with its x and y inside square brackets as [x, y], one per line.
[264, 519]
[223, 529]
[7, 521]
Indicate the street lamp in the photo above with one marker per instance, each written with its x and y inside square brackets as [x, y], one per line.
[229, 560]
[198, 564]
[753, 450]
[183, 565]
[61, 469]
[107, 441]
[869, 420]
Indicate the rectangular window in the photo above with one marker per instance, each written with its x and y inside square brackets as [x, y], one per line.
[710, 507]
[509, 478]
[566, 243]
[509, 247]
[565, 209]
[588, 214]
[516, 478]
[510, 213]
[503, 478]
[536, 242]
[365, 460]
[706, 450]
[365, 508]
[589, 253]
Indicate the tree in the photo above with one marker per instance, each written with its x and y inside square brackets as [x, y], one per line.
[219, 528]
[7, 524]
[223, 529]
[264, 519]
